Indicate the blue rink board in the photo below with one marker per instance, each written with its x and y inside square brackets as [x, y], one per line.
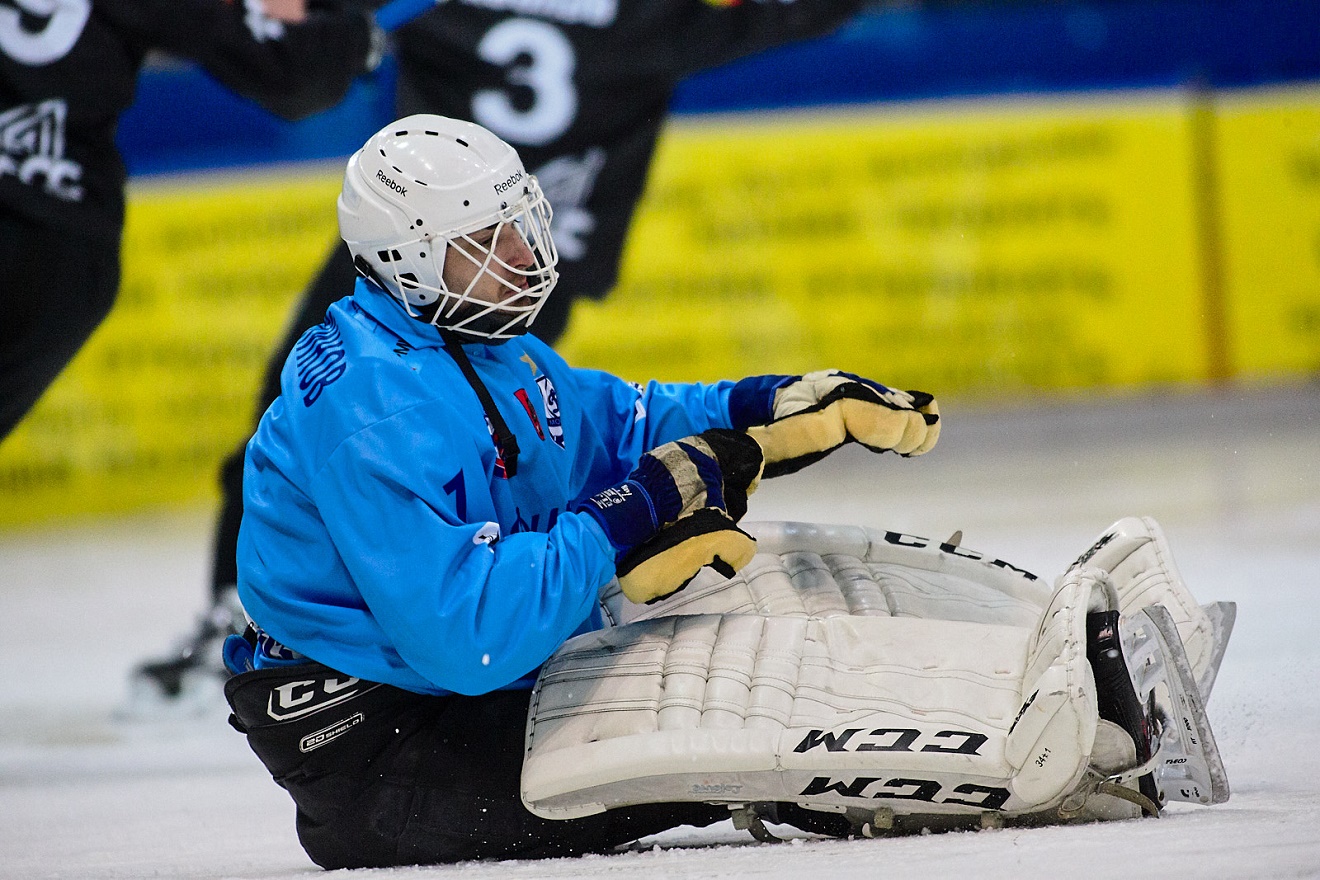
[183, 121]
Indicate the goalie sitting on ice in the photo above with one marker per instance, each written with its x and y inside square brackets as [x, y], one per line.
[438, 507]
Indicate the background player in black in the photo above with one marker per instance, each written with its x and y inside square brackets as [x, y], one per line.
[68, 69]
[581, 89]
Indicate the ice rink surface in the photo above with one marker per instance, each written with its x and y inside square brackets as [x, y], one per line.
[1233, 477]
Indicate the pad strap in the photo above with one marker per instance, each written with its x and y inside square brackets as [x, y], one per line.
[813, 570]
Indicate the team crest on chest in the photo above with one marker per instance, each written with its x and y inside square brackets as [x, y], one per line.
[550, 397]
[554, 422]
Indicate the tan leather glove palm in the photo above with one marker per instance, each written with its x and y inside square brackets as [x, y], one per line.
[819, 412]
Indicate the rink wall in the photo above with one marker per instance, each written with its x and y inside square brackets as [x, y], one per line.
[981, 246]
[995, 248]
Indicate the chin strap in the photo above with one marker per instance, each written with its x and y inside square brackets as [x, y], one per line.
[505, 442]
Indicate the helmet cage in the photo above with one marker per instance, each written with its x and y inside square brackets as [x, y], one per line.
[461, 310]
[426, 186]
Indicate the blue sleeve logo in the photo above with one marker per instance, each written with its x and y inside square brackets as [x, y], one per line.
[319, 359]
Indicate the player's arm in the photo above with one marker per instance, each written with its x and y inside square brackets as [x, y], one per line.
[677, 512]
[660, 474]
[707, 33]
[797, 420]
[294, 57]
[472, 609]
[629, 419]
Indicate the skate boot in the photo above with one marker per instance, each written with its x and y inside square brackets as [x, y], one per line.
[1118, 701]
[1145, 688]
[189, 681]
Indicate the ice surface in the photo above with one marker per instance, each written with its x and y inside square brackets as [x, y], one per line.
[1233, 476]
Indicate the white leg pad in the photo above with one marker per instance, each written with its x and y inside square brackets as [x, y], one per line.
[1136, 555]
[847, 712]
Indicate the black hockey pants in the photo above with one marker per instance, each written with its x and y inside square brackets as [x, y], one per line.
[384, 777]
[56, 288]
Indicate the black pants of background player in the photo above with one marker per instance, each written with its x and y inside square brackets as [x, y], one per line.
[55, 289]
[384, 777]
[335, 281]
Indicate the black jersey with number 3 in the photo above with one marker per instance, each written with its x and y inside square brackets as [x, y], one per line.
[68, 69]
[580, 88]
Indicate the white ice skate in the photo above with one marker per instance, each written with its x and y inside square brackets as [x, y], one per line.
[1145, 687]
[189, 681]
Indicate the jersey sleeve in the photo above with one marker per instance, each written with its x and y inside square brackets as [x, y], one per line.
[293, 70]
[706, 34]
[466, 608]
[638, 418]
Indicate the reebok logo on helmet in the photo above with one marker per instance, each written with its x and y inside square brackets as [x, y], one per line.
[401, 190]
[513, 178]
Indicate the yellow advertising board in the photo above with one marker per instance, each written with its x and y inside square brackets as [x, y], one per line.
[166, 387]
[1269, 180]
[969, 249]
[988, 249]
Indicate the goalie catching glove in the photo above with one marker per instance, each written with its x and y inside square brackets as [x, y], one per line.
[676, 512]
[798, 420]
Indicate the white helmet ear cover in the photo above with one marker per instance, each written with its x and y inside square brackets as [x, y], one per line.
[382, 239]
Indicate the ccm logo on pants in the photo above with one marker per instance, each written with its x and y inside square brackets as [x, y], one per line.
[301, 698]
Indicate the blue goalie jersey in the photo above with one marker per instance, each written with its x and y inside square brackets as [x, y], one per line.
[383, 534]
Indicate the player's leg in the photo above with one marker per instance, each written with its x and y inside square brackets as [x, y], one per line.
[1084, 715]
[188, 678]
[383, 777]
[56, 289]
[819, 570]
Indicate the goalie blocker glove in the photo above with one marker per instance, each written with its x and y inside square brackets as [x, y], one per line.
[798, 420]
[676, 512]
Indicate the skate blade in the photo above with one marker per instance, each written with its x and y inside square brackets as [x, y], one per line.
[1190, 768]
[1222, 616]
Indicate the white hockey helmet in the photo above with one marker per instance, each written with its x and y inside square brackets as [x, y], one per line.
[421, 187]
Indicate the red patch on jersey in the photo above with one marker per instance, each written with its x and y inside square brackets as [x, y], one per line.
[526, 401]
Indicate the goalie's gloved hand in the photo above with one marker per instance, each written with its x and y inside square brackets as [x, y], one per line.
[677, 510]
[798, 420]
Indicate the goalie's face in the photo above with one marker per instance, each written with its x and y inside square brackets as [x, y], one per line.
[488, 271]
[494, 281]
[488, 283]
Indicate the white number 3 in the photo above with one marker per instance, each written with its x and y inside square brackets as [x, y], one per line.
[58, 23]
[539, 57]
